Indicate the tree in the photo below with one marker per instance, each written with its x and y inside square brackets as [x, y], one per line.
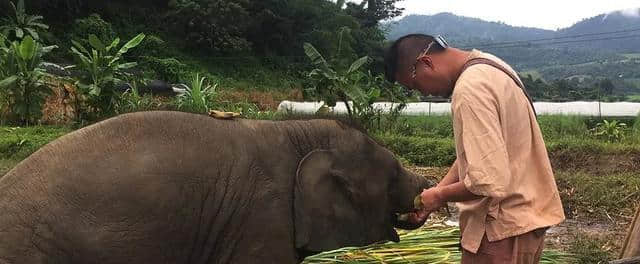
[371, 12]
[103, 68]
[216, 25]
[21, 23]
[22, 83]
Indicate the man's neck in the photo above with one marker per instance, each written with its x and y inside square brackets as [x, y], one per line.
[458, 59]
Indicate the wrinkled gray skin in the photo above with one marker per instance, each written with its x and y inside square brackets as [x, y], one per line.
[168, 187]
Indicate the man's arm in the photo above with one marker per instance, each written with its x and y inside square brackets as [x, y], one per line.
[437, 197]
[451, 177]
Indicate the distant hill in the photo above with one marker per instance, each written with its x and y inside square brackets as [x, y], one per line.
[614, 59]
[628, 20]
[464, 30]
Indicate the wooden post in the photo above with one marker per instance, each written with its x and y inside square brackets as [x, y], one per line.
[631, 246]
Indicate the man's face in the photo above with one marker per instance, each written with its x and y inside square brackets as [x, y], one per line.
[428, 80]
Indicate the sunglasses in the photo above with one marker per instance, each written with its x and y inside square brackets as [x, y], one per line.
[437, 40]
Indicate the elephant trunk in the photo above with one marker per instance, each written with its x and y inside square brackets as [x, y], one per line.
[417, 185]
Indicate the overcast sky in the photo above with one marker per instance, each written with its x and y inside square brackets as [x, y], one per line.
[547, 14]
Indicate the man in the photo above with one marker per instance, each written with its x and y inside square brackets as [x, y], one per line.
[502, 179]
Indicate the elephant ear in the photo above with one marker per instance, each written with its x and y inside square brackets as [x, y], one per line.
[325, 216]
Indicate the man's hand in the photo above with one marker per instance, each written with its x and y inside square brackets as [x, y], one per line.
[432, 200]
[417, 217]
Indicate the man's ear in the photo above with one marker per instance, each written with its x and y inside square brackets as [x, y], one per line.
[428, 62]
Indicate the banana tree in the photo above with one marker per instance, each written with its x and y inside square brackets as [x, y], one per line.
[331, 84]
[22, 77]
[21, 23]
[103, 67]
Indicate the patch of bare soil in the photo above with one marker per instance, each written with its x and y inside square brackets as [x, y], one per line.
[595, 163]
[559, 237]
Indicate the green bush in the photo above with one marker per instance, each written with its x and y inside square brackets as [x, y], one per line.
[423, 151]
[152, 46]
[169, 69]
[103, 67]
[21, 23]
[19, 143]
[612, 131]
[439, 126]
[92, 24]
[559, 126]
[22, 78]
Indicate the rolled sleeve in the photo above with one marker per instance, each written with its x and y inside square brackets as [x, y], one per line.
[484, 148]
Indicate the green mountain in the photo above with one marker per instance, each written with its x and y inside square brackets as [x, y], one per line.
[561, 56]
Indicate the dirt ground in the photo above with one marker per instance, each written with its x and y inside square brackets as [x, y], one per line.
[560, 237]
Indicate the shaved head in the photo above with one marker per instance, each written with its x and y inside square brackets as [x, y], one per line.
[401, 56]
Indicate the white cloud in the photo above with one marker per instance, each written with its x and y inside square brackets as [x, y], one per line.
[632, 12]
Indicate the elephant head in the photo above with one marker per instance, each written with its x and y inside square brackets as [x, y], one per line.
[350, 195]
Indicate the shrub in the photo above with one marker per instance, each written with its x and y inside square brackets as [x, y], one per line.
[152, 46]
[91, 25]
[433, 152]
[103, 67]
[613, 131]
[169, 69]
[22, 86]
[22, 24]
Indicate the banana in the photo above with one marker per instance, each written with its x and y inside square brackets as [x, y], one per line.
[417, 203]
[223, 115]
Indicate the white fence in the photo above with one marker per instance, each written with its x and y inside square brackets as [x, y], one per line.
[620, 109]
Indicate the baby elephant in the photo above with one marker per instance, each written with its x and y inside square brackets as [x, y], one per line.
[169, 187]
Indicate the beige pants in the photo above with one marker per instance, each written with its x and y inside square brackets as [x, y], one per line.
[522, 249]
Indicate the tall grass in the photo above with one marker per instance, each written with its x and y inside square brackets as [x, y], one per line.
[199, 97]
[562, 126]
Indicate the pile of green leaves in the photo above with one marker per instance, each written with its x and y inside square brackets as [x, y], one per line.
[430, 244]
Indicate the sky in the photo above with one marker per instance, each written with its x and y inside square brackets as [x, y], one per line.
[547, 14]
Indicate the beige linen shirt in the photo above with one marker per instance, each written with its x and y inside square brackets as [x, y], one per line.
[500, 155]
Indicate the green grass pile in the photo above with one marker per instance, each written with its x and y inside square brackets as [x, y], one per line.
[430, 244]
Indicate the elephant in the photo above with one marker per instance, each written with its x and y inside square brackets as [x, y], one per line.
[172, 187]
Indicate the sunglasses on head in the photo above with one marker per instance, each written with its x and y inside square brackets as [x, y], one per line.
[440, 41]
